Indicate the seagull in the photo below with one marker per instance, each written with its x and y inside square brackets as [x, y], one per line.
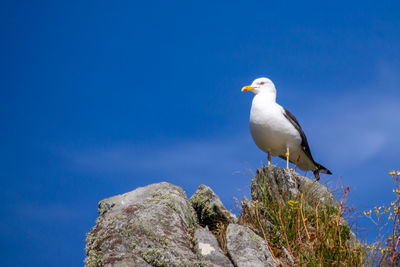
[276, 131]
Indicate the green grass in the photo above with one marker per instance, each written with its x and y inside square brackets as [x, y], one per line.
[314, 233]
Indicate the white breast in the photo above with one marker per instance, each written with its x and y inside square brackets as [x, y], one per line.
[270, 129]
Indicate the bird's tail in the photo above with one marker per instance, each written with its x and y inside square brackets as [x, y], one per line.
[319, 169]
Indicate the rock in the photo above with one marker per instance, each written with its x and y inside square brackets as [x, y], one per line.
[246, 248]
[208, 249]
[157, 225]
[353, 242]
[287, 257]
[150, 226]
[317, 191]
[209, 208]
[283, 184]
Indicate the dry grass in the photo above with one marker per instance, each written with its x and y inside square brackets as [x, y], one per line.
[220, 234]
[314, 233]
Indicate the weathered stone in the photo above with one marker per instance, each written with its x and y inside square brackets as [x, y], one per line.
[246, 248]
[207, 248]
[128, 263]
[287, 257]
[282, 184]
[352, 242]
[318, 192]
[150, 226]
[209, 208]
[279, 183]
[157, 225]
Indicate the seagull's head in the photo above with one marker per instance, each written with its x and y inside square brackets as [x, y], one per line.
[261, 85]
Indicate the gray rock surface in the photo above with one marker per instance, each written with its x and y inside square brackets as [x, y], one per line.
[149, 226]
[157, 225]
[283, 184]
[287, 258]
[246, 248]
[209, 208]
[316, 190]
[207, 248]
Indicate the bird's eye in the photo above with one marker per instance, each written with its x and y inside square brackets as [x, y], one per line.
[262, 83]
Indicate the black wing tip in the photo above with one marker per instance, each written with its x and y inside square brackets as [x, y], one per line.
[322, 169]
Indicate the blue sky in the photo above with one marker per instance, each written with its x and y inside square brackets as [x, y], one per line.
[98, 98]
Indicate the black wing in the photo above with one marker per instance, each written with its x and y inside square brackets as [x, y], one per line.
[295, 123]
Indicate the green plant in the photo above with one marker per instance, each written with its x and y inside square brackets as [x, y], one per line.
[315, 234]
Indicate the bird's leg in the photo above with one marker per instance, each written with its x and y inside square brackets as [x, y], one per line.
[287, 158]
[269, 158]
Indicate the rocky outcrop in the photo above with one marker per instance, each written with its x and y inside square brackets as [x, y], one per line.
[283, 184]
[150, 226]
[208, 249]
[246, 248]
[157, 225]
[209, 208]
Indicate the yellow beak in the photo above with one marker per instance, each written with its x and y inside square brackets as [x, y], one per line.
[247, 88]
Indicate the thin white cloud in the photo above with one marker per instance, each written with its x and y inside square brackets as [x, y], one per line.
[361, 124]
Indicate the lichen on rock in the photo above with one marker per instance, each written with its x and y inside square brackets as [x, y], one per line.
[209, 208]
[246, 248]
[148, 225]
[157, 225]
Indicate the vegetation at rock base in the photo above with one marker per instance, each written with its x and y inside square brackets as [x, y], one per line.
[314, 233]
[220, 234]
